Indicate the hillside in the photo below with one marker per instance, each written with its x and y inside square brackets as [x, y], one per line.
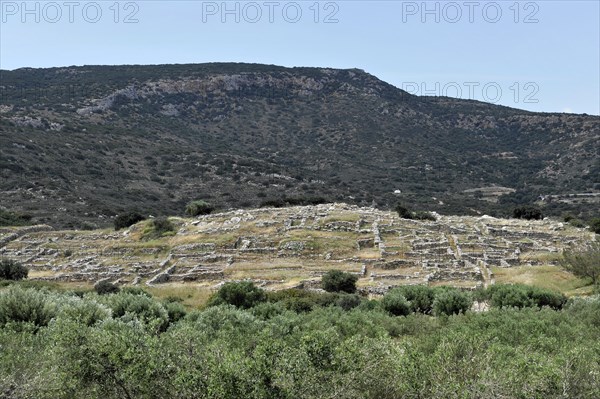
[293, 247]
[81, 144]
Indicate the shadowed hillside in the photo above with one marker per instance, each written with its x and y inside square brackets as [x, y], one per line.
[81, 144]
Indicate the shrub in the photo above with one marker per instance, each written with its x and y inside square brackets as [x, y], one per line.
[282, 202]
[509, 296]
[449, 302]
[157, 228]
[12, 270]
[83, 310]
[175, 311]
[521, 296]
[242, 295]
[26, 306]
[267, 310]
[348, 301]
[339, 281]
[198, 207]
[104, 287]
[543, 297]
[577, 223]
[8, 218]
[138, 307]
[299, 304]
[528, 212]
[162, 225]
[136, 291]
[395, 303]
[420, 297]
[595, 225]
[300, 300]
[127, 219]
[423, 215]
[585, 309]
[403, 212]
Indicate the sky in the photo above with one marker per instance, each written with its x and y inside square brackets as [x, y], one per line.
[534, 55]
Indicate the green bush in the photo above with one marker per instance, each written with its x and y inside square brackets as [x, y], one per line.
[299, 201]
[12, 270]
[127, 219]
[452, 301]
[300, 300]
[175, 311]
[420, 297]
[157, 228]
[299, 304]
[138, 307]
[136, 291]
[423, 215]
[198, 207]
[8, 218]
[543, 297]
[268, 310]
[577, 223]
[348, 301]
[595, 225]
[104, 287]
[84, 311]
[509, 296]
[395, 303]
[26, 306]
[403, 212]
[528, 212]
[585, 309]
[339, 281]
[522, 296]
[239, 294]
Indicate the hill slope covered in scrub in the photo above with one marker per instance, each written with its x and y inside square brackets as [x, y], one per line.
[81, 144]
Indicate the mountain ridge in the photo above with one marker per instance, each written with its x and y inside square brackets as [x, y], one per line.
[94, 141]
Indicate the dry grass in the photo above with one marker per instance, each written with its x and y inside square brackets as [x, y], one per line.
[33, 274]
[220, 240]
[288, 269]
[76, 286]
[540, 256]
[193, 296]
[340, 217]
[370, 253]
[552, 277]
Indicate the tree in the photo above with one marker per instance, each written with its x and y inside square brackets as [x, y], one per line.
[103, 287]
[12, 270]
[8, 218]
[198, 207]
[127, 219]
[420, 297]
[528, 212]
[585, 264]
[339, 281]
[403, 212]
[395, 303]
[242, 295]
[157, 228]
[451, 301]
[595, 225]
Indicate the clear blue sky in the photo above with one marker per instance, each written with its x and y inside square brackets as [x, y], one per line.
[541, 55]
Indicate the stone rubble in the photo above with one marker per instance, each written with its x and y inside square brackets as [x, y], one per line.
[283, 247]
